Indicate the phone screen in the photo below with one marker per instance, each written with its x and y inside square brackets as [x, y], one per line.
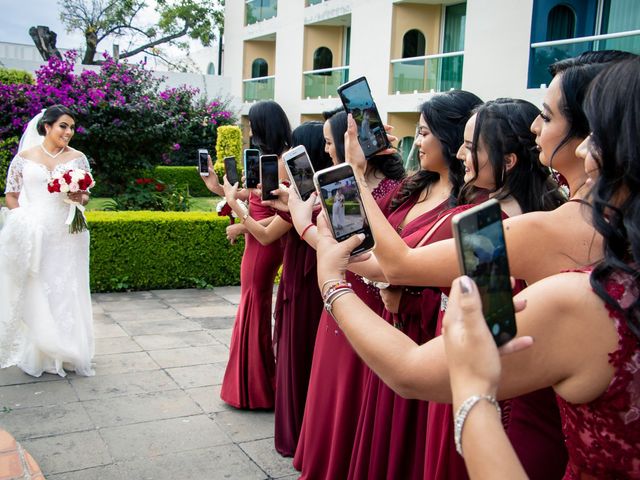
[341, 201]
[231, 170]
[252, 167]
[269, 176]
[357, 100]
[301, 172]
[203, 164]
[484, 258]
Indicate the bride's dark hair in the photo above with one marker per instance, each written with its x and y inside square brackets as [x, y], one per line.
[51, 116]
[613, 109]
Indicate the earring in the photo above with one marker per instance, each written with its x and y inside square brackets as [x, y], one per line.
[504, 170]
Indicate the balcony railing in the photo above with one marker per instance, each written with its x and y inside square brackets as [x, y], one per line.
[428, 73]
[258, 10]
[324, 82]
[258, 88]
[544, 54]
[313, 2]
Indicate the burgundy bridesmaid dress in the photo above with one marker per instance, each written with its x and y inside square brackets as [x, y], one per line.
[335, 390]
[391, 434]
[249, 379]
[532, 424]
[297, 313]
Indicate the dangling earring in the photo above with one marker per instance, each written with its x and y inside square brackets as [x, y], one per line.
[504, 170]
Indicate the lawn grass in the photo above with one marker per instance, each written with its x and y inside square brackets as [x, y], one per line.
[198, 204]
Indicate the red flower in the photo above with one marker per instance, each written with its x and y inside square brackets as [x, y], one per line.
[160, 187]
[67, 176]
[139, 181]
[54, 186]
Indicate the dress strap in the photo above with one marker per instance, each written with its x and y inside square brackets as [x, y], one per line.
[580, 200]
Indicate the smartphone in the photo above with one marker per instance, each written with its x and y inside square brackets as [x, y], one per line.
[340, 199]
[251, 167]
[300, 170]
[357, 100]
[203, 162]
[482, 253]
[231, 170]
[269, 176]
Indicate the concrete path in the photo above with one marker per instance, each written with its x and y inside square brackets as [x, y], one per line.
[153, 409]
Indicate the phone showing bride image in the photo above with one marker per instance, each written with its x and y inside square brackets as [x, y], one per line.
[269, 176]
[342, 205]
[300, 170]
[203, 162]
[482, 253]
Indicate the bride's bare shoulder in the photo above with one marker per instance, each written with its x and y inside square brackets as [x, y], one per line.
[29, 153]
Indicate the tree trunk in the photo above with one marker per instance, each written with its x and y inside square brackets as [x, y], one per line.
[91, 40]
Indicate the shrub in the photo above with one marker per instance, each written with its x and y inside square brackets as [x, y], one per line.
[150, 194]
[229, 144]
[10, 76]
[7, 149]
[159, 250]
[182, 176]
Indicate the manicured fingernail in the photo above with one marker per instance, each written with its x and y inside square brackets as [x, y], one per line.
[361, 236]
[465, 284]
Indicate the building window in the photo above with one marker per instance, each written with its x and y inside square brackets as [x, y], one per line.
[322, 58]
[211, 69]
[413, 44]
[259, 68]
[561, 23]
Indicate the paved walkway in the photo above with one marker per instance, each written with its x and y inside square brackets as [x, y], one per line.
[153, 409]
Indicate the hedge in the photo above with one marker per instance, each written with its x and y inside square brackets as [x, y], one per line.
[160, 250]
[12, 76]
[181, 176]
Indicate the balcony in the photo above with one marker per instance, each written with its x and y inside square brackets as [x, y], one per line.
[428, 73]
[258, 88]
[308, 3]
[259, 10]
[544, 54]
[324, 82]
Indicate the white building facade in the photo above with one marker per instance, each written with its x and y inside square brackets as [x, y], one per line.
[297, 52]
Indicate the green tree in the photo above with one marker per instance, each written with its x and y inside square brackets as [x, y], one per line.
[178, 19]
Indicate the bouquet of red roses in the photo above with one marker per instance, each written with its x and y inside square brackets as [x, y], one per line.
[72, 181]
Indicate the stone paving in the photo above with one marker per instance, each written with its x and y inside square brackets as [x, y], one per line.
[153, 409]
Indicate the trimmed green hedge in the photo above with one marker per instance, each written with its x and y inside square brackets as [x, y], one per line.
[181, 176]
[160, 250]
[13, 76]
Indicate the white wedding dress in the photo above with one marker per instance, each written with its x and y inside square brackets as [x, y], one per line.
[46, 322]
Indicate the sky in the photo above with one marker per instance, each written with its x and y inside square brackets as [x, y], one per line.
[20, 15]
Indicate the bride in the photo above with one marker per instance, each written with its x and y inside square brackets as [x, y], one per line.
[46, 322]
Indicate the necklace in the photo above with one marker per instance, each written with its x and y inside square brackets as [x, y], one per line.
[50, 154]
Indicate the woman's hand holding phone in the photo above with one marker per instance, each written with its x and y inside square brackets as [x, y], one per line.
[211, 181]
[230, 191]
[302, 211]
[472, 355]
[353, 153]
[282, 202]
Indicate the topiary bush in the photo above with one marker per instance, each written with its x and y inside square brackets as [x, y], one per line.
[7, 151]
[228, 144]
[159, 250]
[182, 176]
[11, 76]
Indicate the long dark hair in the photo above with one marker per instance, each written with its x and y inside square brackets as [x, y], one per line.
[503, 127]
[613, 109]
[446, 114]
[51, 116]
[270, 128]
[310, 135]
[389, 165]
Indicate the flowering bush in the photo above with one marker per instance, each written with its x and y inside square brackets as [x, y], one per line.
[126, 123]
[150, 194]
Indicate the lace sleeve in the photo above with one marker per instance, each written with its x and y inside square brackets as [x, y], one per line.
[14, 175]
[83, 163]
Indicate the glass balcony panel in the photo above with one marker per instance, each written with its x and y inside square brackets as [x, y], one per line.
[426, 74]
[259, 89]
[542, 57]
[258, 10]
[314, 2]
[323, 84]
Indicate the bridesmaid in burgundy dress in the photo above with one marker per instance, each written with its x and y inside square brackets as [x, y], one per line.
[390, 440]
[297, 313]
[337, 374]
[249, 379]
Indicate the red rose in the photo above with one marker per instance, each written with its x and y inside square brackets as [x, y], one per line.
[67, 176]
[160, 187]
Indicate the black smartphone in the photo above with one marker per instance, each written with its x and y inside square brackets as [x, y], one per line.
[482, 253]
[269, 176]
[300, 170]
[251, 167]
[203, 162]
[231, 170]
[357, 100]
[340, 199]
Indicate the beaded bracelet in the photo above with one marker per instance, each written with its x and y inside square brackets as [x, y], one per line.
[334, 287]
[335, 280]
[463, 411]
[328, 303]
